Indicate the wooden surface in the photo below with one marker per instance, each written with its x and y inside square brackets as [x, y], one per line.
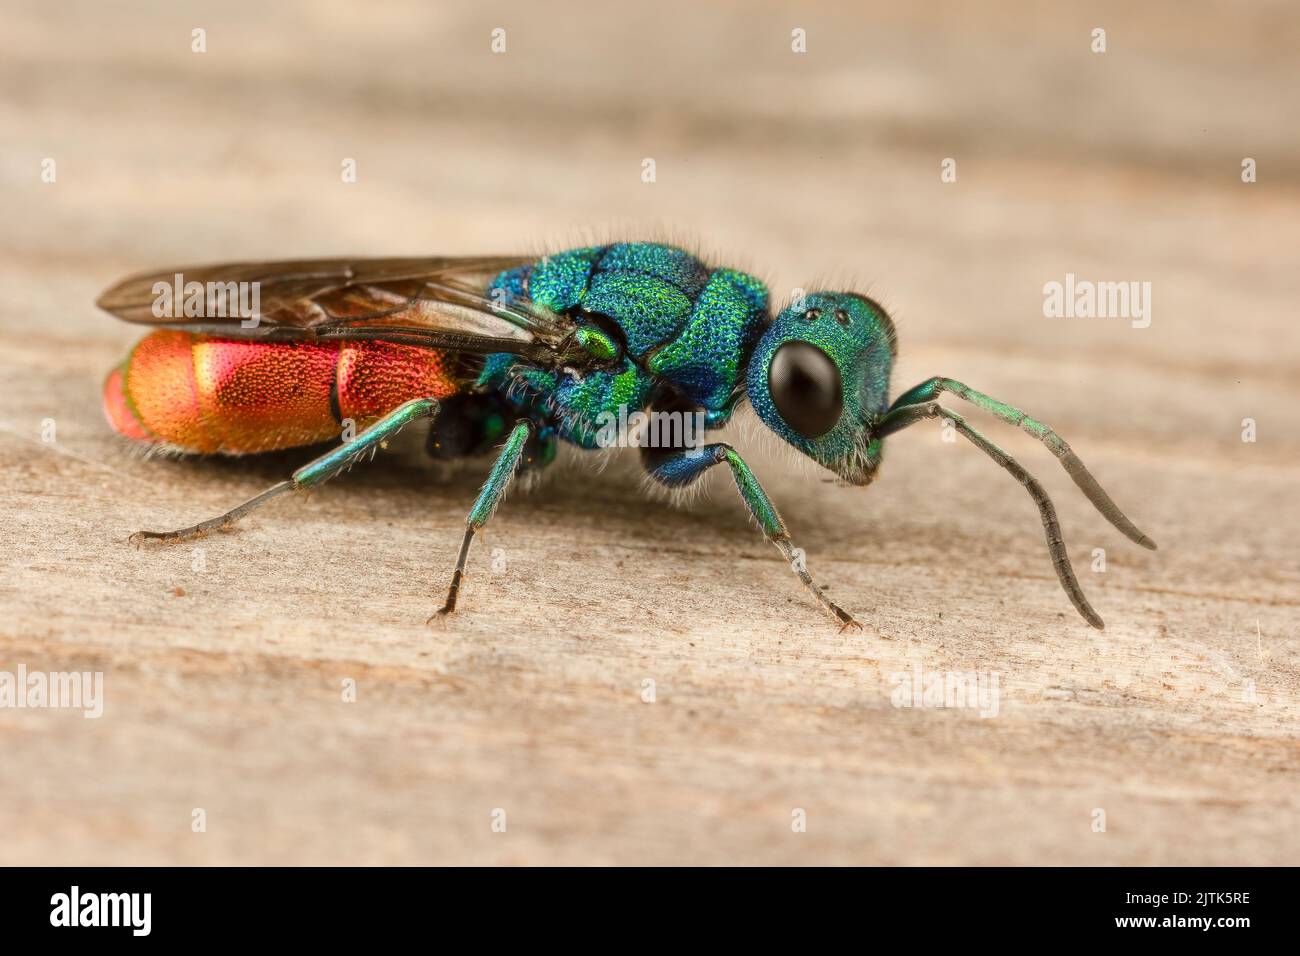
[223, 685]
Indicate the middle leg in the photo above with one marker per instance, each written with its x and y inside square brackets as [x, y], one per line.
[494, 489]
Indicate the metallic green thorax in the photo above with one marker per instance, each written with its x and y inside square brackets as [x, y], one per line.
[683, 325]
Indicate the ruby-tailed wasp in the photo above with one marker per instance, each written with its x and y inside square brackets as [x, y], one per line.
[516, 354]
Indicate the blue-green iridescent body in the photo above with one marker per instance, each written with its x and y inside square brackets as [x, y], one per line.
[683, 325]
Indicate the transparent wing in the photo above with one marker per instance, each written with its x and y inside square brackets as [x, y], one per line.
[438, 302]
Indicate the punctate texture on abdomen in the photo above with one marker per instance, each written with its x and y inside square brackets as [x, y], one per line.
[210, 395]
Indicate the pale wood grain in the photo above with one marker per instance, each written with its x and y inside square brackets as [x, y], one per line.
[223, 686]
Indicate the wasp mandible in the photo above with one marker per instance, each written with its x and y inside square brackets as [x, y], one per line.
[516, 354]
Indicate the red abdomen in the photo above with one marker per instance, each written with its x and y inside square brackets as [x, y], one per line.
[208, 395]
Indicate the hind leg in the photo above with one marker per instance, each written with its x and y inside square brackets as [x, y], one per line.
[312, 474]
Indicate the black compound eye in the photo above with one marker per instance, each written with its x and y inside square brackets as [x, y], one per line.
[805, 386]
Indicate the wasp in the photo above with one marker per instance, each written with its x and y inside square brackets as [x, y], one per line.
[514, 355]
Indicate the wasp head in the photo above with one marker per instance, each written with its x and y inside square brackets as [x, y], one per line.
[819, 378]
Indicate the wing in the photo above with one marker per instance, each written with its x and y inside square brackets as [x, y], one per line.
[435, 302]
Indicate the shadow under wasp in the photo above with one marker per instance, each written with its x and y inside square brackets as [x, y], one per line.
[514, 354]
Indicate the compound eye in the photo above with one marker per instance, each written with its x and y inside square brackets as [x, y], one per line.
[806, 388]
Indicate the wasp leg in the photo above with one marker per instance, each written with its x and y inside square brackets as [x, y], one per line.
[900, 418]
[681, 467]
[488, 499]
[315, 473]
[931, 387]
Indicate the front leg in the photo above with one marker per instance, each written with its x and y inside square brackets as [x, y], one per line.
[679, 467]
